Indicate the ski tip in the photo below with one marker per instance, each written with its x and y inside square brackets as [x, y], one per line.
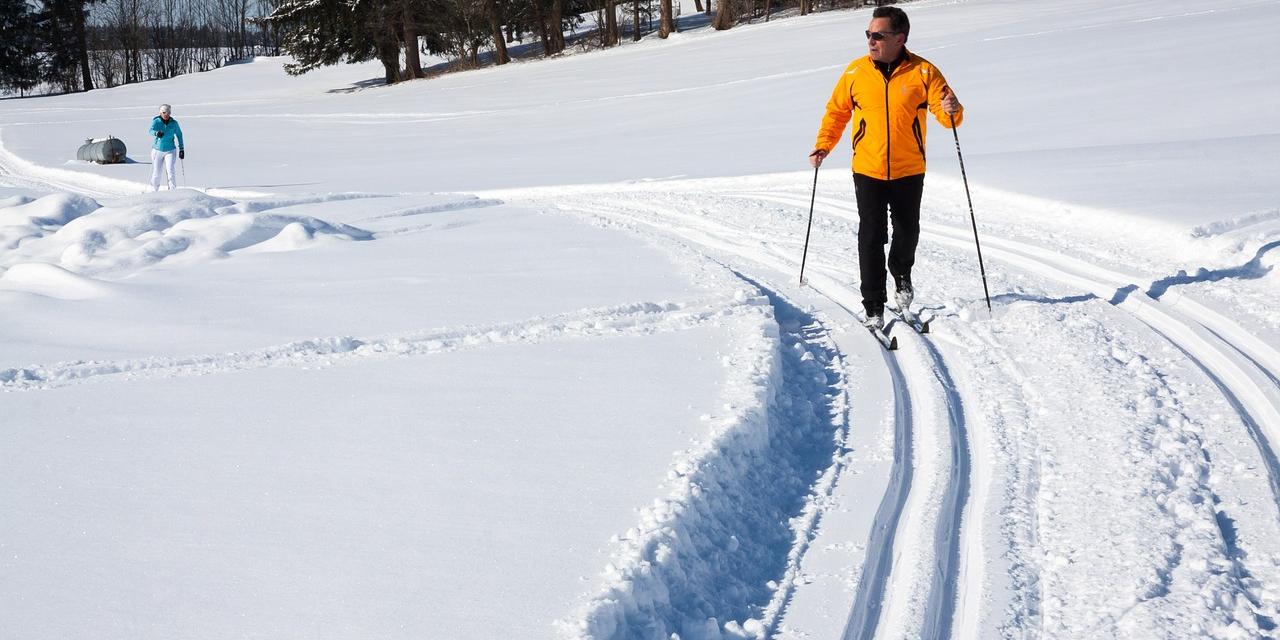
[893, 343]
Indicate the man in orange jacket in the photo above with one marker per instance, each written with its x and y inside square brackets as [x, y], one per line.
[888, 92]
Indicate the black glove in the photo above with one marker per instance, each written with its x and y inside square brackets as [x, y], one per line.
[182, 154]
[159, 134]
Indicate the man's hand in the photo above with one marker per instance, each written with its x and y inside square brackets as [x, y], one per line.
[950, 105]
[816, 158]
[159, 134]
[182, 154]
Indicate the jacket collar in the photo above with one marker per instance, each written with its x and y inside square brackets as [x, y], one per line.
[904, 58]
[887, 69]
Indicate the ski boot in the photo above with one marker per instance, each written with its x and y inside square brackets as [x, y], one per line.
[905, 294]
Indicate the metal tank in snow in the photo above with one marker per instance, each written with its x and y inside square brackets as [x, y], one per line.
[107, 150]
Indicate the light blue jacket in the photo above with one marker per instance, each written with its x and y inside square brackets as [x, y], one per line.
[171, 132]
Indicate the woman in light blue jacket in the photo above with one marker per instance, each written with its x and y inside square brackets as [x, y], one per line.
[167, 142]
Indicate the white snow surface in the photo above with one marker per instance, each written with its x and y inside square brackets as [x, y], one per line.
[521, 352]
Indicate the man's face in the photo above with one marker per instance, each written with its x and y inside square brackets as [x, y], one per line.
[164, 115]
[885, 50]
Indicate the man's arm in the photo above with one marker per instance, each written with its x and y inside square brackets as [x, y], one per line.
[942, 101]
[177, 131]
[839, 110]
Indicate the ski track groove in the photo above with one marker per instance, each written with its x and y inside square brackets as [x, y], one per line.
[884, 548]
[630, 319]
[864, 614]
[941, 613]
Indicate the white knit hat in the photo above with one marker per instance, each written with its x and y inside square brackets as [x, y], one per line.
[165, 109]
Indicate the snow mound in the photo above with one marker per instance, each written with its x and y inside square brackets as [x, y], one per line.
[79, 235]
[292, 236]
[23, 218]
[51, 281]
[13, 201]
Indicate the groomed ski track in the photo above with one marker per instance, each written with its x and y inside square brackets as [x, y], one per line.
[909, 580]
[924, 572]
[1243, 366]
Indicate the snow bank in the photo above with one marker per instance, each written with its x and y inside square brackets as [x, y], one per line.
[714, 558]
[80, 235]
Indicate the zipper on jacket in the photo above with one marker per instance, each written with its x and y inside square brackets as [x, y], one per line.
[888, 133]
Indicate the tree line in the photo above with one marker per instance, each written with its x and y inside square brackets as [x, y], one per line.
[324, 32]
[57, 46]
[77, 45]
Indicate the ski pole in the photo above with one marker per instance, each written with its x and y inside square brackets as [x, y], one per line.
[974, 220]
[183, 162]
[809, 229]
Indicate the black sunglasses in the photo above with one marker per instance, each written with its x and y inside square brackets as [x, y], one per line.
[879, 35]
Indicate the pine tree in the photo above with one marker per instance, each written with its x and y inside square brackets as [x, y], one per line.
[61, 28]
[19, 59]
[319, 33]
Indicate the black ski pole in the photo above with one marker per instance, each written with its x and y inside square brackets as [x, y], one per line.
[809, 229]
[972, 219]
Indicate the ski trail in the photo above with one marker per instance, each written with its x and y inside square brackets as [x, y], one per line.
[941, 610]
[998, 384]
[927, 517]
[1244, 367]
[630, 319]
[25, 173]
[864, 616]
[1239, 365]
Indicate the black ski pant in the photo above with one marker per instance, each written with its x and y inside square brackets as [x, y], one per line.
[876, 199]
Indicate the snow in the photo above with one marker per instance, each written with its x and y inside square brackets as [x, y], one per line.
[520, 352]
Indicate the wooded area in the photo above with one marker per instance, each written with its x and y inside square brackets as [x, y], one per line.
[76, 45]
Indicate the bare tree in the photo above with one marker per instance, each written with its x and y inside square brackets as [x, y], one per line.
[125, 21]
[555, 26]
[635, 21]
[495, 29]
[232, 19]
[611, 33]
[409, 28]
[724, 15]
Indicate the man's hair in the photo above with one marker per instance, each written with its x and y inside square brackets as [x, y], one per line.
[897, 19]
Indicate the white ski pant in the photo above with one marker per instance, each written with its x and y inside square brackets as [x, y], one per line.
[163, 160]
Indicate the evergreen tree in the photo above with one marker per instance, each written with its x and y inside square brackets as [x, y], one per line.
[61, 28]
[319, 33]
[19, 49]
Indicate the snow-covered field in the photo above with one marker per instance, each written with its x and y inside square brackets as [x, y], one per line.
[520, 352]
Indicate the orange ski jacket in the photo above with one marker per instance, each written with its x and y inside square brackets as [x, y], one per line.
[888, 114]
